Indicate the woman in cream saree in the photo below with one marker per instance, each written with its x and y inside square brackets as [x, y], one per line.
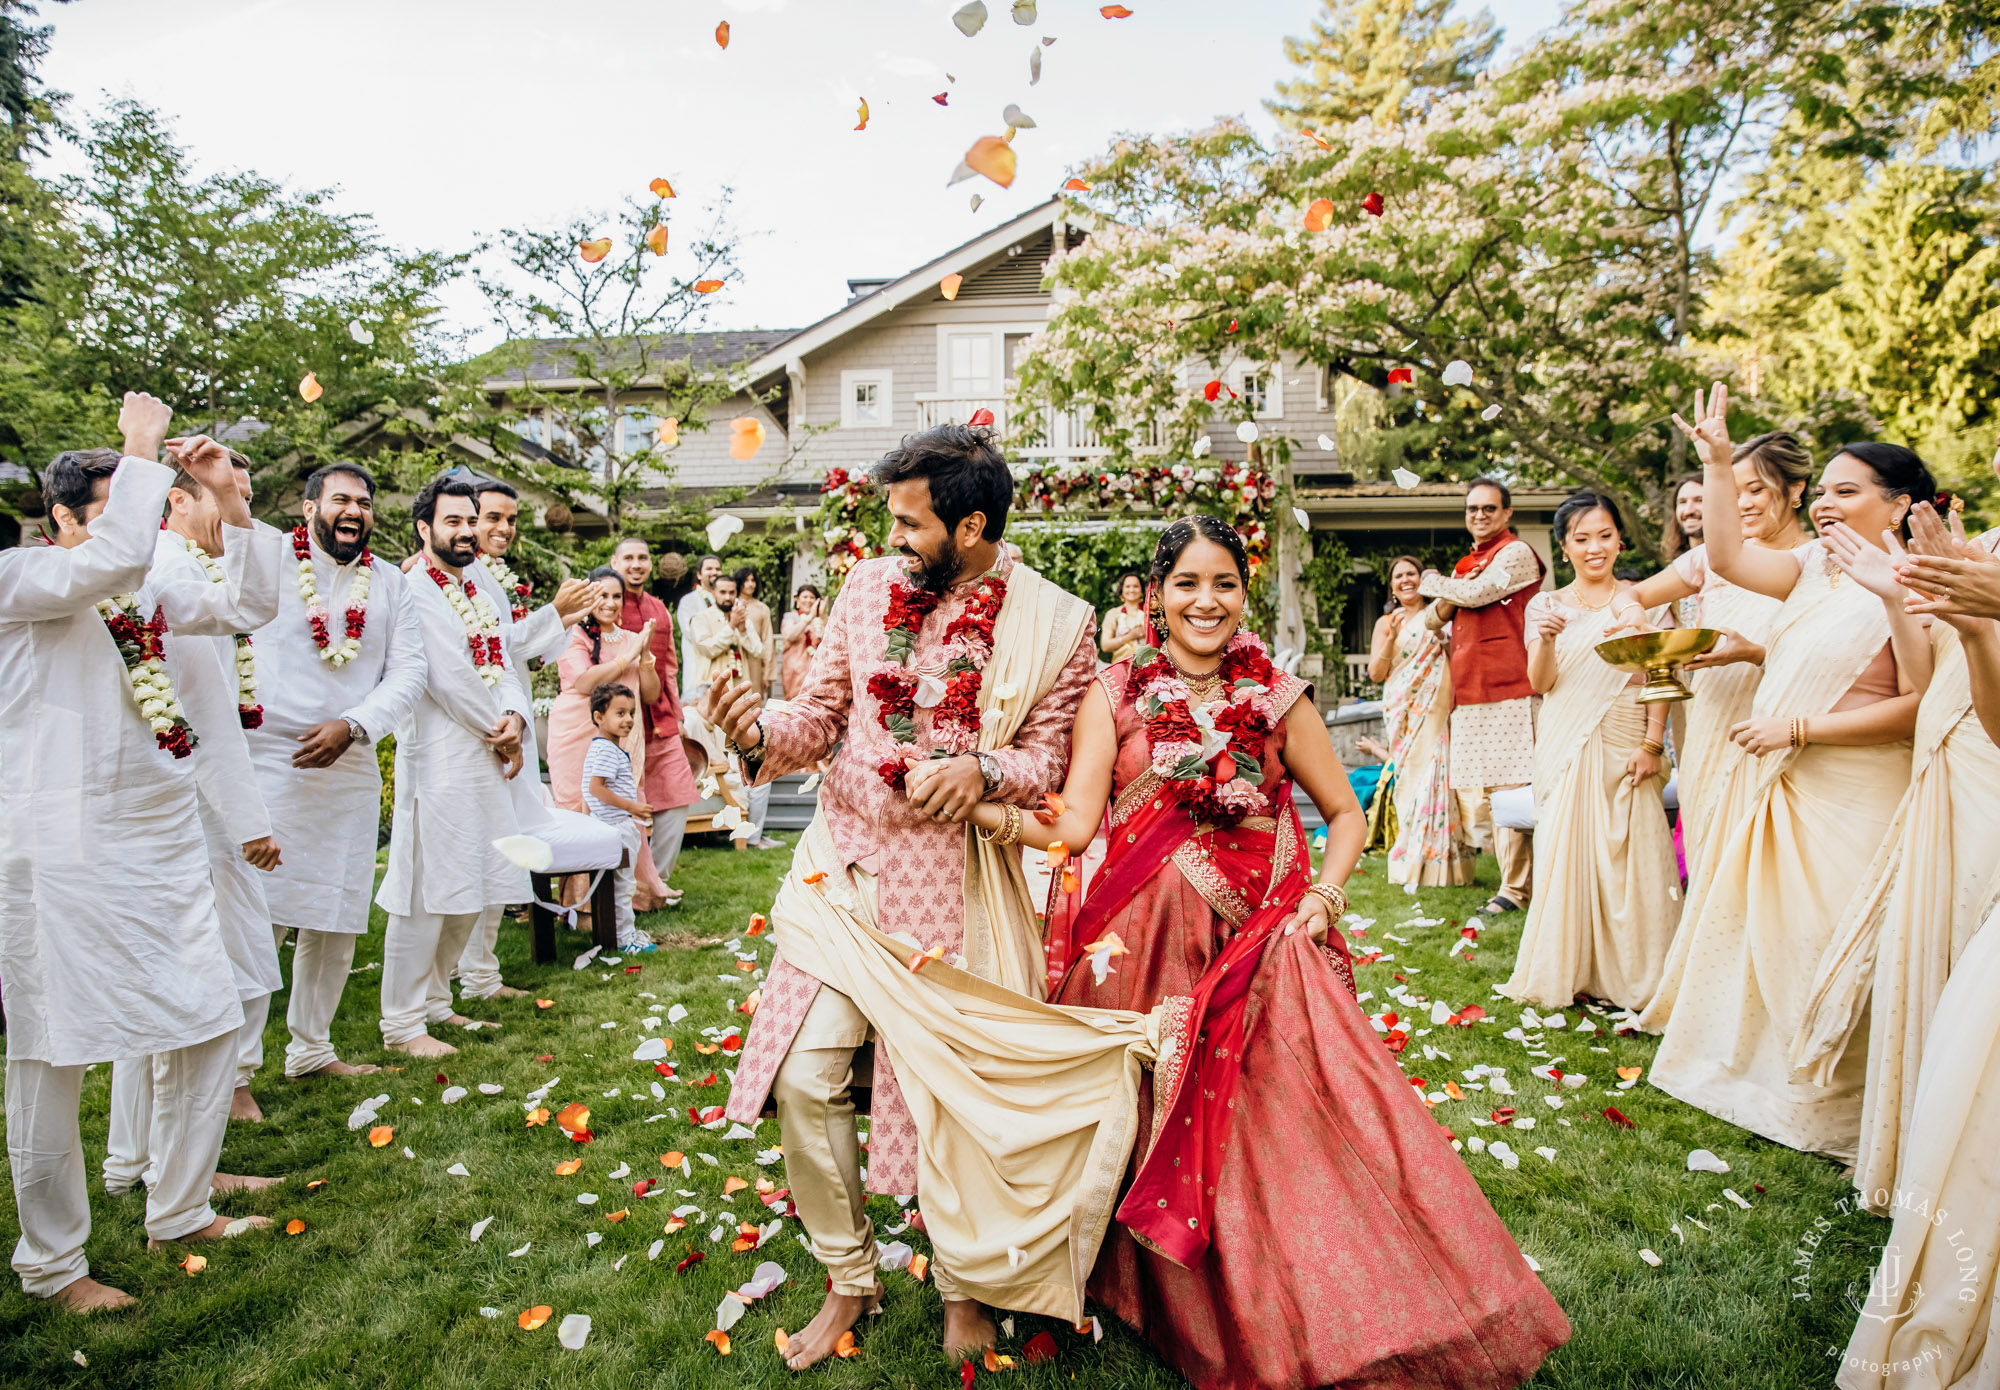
[1608, 898]
[1429, 845]
[1773, 473]
[1799, 819]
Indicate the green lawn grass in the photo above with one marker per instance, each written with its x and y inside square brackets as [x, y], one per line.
[384, 1287]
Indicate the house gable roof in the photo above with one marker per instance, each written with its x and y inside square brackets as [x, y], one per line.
[547, 362]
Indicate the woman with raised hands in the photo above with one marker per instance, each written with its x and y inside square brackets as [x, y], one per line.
[1207, 902]
[1796, 823]
[1608, 894]
[1773, 473]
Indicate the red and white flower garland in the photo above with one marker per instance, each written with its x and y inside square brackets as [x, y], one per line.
[1212, 755]
[141, 648]
[249, 713]
[948, 686]
[349, 646]
[511, 584]
[482, 623]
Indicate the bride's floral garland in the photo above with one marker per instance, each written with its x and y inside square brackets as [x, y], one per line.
[316, 615]
[949, 687]
[249, 713]
[510, 583]
[141, 648]
[1211, 755]
[482, 624]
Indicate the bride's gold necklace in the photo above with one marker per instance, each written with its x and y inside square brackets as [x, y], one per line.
[1199, 685]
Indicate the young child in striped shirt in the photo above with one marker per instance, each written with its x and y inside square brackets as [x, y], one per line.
[612, 795]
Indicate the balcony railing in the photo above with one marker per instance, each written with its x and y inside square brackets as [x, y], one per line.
[1056, 433]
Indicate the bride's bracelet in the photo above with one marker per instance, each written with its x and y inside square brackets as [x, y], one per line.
[1333, 896]
[1010, 828]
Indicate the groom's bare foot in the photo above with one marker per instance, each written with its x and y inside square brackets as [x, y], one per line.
[967, 1328]
[339, 1068]
[508, 992]
[86, 1295]
[243, 1106]
[217, 1229]
[816, 1341]
[236, 1182]
[424, 1045]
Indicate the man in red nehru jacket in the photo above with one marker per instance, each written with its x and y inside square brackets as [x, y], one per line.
[669, 788]
[1485, 600]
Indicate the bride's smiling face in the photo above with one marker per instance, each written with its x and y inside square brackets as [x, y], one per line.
[1203, 597]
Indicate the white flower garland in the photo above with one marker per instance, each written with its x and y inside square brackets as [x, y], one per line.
[248, 711]
[333, 653]
[482, 624]
[139, 647]
[511, 584]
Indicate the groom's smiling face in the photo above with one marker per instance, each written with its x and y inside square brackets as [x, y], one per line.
[921, 535]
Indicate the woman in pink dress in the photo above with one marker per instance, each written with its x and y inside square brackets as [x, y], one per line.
[1319, 1161]
[803, 629]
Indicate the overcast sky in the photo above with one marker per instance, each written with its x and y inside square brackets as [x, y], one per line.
[446, 120]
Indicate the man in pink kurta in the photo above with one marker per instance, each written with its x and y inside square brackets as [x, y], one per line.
[913, 852]
[669, 788]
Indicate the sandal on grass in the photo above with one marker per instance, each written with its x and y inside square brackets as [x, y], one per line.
[1497, 904]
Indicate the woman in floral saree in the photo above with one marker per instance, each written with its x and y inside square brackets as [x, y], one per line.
[1430, 845]
[1292, 1151]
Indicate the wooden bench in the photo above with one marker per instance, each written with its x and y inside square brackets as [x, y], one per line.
[603, 913]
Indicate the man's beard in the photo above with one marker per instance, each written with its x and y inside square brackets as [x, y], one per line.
[935, 573]
[458, 554]
[342, 551]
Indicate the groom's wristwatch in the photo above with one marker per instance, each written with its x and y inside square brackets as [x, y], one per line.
[989, 769]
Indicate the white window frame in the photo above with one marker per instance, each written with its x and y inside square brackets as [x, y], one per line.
[884, 382]
[1274, 395]
[997, 386]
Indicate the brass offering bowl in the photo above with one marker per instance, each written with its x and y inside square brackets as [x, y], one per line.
[1659, 655]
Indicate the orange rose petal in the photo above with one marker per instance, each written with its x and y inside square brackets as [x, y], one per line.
[863, 114]
[919, 959]
[1070, 881]
[316, 1184]
[1320, 215]
[568, 1167]
[656, 239]
[1058, 855]
[707, 1049]
[993, 157]
[661, 188]
[538, 1117]
[919, 1266]
[310, 388]
[670, 432]
[545, 1003]
[1052, 809]
[574, 1116]
[845, 1348]
[732, 1185]
[194, 1264]
[381, 1135]
[1114, 12]
[614, 1217]
[1451, 1089]
[674, 1223]
[746, 966]
[815, 877]
[949, 285]
[746, 437]
[765, 1187]
[997, 1363]
[707, 286]
[532, 1318]
[718, 1336]
[722, 41]
[1630, 1073]
[782, 1342]
[742, 1243]
[1075, 186]
[594, 251]
[295, 1227]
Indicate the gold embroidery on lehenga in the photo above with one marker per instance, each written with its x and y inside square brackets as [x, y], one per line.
[1192, 859]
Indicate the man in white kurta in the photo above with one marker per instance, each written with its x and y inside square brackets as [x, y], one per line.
[208, 540]
[453, 761]
[530, 634]
[109, 944]
[328, 698]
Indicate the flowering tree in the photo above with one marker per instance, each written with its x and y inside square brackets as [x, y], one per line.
[1543, 228]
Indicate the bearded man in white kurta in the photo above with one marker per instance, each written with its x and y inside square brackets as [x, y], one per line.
[190, 585]
[530, 633]
[338, 669]
[453, 761]
[109, 943]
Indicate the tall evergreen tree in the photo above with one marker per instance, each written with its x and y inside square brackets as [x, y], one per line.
[1384, 59]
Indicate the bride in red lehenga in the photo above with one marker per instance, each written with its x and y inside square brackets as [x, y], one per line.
[1337, 1239]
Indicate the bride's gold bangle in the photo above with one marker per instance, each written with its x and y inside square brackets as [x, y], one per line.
[1333, 896]
[1654, 746]
[1009, 831]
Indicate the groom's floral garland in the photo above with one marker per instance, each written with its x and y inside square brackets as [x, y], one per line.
[1211, 755]
[510, 583]
[949, 688]
[316, 615]
[482, 623]
[141, 648]
[249, 713]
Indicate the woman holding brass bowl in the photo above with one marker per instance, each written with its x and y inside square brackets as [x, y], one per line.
[1773, 473]
[1608, 894]
[1796, 822]
[1414, 665]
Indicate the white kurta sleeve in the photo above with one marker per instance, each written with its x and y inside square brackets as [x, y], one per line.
[388, 707]
[245, 600]
[43, 583]
[453, 683]
[206, 682]
[540, 636]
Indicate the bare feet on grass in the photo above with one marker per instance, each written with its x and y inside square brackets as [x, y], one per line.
[214, 1230]
[339, 1068]
[243, 1106]
[424, 1045]
[508, 992]
[815, 1342]
[967, 1328]
[236, 1182]
[86, 1295]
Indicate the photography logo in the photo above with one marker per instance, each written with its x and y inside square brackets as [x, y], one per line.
[1890, 1291]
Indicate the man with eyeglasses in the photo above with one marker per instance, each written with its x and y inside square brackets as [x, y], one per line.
[1485, 601]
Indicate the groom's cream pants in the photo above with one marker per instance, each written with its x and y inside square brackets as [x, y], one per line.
[822, 1153]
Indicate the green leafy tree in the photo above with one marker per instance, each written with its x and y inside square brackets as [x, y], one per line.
[621, 326]
[1386, 60]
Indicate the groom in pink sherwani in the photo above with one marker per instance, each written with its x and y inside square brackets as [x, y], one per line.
[949, 489]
